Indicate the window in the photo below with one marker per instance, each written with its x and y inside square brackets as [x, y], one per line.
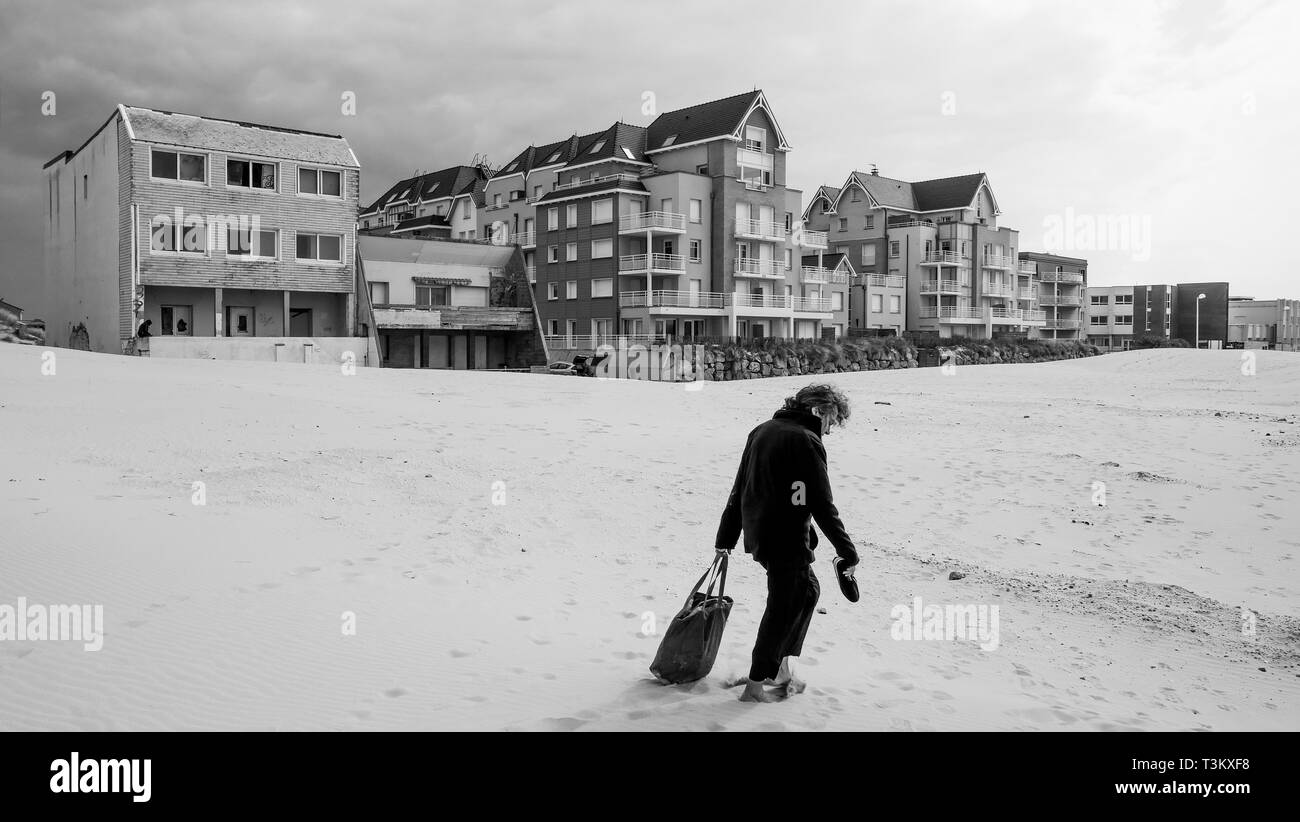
[552, 254]
[85, 186]
[627, 152]
[537, 192]
[869, 254]
[570, 215]
[602, 249]
[789, 259]
[603, 287]
[668, 141]
[550, 159]
[877, 303]
[320, 181]
[602, 211]
[571, 252]
[844, 224]
[824, 205]
[597, 147]
[248, 174]
[553, 327]
[754, 138]
[855, 198]
[837, 301]
[261, 243]
[842, 249]
[571, 290]
[1123, 319]
[171, 238]
[871, 221]
[1097, 319]
[603, 328]
[496, 200]
[379, 293]
[702, 169]
[322, 247]
[696, 253]
[175, 165]
[893, 250]
[570, 328]
[696, 207]
[177, 320]
[552, 293]
[431, 295]
[895, 304]
[1100, 299]
[1123, 299]
[552, 219]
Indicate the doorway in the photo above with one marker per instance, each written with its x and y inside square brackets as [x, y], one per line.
[177, 319]
[300, 322]
[239, 321]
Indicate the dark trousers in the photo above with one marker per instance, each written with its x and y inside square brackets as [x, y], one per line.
[792, 594]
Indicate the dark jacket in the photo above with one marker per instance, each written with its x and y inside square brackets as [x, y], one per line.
[769, 505]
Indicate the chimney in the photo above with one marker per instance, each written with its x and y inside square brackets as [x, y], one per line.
[875, 172]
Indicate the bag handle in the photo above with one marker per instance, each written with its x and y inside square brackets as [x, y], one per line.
[720, 560]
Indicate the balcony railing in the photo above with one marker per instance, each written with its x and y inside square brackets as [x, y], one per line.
[531, 271]
[818, 304]
[1060, 299]
[533, 199]
[1061, 277]
[524, 238]
[890, 280]
[997, 261]
[754, 183]
[1028, 294]
[651, 220]
[942, 258]
[630, 263]
[672, 299]
[759, 228]
[608, 178]
[759, 300]
[1028, 268]
[1018, 314]
[940, 287]
[1051, 323]
[996, 290]
[754, 159]
[495, 206]
[911, 224]
[812, 274]
[754, 267]
[951, 312]
[814, 239]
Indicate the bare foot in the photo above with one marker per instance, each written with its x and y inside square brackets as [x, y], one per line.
[755, 692]
[795, 686]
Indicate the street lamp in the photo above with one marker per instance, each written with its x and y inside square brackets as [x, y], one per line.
[1199, 297]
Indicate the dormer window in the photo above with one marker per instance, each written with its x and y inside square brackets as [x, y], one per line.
[599, 145]
[628, 152]
[553, 157]
[672, 138]
[511, 168]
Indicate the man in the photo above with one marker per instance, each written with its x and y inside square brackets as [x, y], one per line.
[781, 485]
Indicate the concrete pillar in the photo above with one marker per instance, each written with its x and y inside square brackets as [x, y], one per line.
[350, 315]
[285, 327]
[418, 355]
[220, 314]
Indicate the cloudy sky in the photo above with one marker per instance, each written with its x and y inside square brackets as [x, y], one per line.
[1176, 120]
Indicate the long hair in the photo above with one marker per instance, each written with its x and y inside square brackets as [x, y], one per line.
[819, 395]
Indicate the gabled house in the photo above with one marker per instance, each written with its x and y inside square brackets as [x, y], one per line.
[437, 205]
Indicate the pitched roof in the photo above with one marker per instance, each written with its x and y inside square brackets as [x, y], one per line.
[717, 118]
[592, 188]
[831, 261]
[926, 195]
[417, 223]
[561, 151]
[449, 182]
[620, 141]
[154, 126]
[427, 252]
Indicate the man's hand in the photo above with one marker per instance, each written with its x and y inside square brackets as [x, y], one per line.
[848, 570]
[723, 551]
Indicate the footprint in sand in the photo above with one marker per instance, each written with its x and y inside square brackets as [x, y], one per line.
[565, 723]
[459, 654]
[393, 693]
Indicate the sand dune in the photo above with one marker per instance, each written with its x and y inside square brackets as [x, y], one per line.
[375, 494]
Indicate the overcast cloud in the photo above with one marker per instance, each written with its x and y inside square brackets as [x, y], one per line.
[1182, 114]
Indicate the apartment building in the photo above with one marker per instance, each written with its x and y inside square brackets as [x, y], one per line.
[1119, 315]
[1062, 293]
[930, 256]
[449, 304]
[236, 240]
[438, 205]
[1270, 324]
[675, 231]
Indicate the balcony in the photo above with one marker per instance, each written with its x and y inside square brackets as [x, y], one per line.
[996, 290]
[774, 302]
[910, 224]
[524, 239]
[1000, 261]
[427, 317]
[1059, 299]
[754, 159]
[531, 271]
[688, 300]
[496, 206]
[608, 178]
[952, 314]
[895, 281]
[653, 263]
[812, 274]
[812, 305]
[1028, 293]
[938, 286]
[653, 221]
[942, 258]
[760, 230]
[1063, 324]
[1017, 316]
[813, 239]
[1028, 268]
[1061, 277]
[754, 183]
[754, 267]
